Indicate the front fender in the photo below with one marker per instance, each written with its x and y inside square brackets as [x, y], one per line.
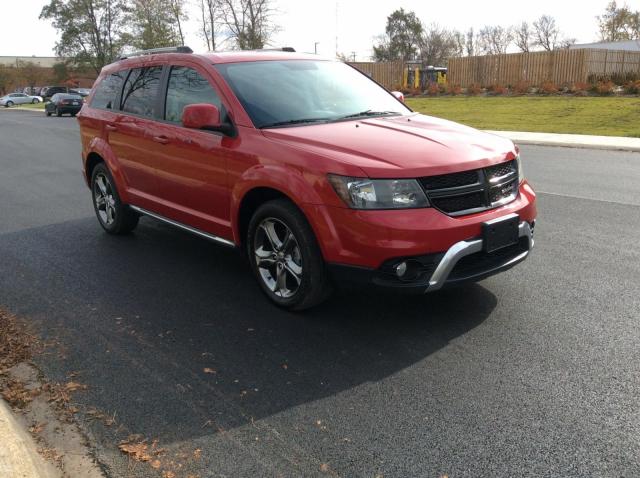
[301, 188]
[100, 147]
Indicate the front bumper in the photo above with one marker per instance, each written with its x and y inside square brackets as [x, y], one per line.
[464, 261]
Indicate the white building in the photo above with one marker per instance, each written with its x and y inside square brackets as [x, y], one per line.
[628, 45]
[43, 61]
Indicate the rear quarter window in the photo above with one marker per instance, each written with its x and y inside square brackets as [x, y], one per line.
[108, 90]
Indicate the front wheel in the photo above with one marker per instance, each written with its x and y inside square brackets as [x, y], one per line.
[35, 101]
[285, 256]
[9, 104]
[114, 216]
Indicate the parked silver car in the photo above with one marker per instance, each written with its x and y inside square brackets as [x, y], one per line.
[18, 99]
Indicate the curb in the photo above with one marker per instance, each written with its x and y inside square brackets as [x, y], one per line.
[19, 456]
[610, 143]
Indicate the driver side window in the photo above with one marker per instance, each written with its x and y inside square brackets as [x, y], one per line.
[187, 87]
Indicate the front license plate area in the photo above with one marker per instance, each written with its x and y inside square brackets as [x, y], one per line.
[500, 233]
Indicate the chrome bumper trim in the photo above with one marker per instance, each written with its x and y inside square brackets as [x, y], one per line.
[465, 248]
[179, 225]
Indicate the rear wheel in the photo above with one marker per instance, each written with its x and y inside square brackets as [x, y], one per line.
[35, 101]
[285, 256]
[114, 216]
[48, 113]
[58, 112]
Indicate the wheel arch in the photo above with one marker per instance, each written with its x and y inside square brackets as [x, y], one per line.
[99, 151]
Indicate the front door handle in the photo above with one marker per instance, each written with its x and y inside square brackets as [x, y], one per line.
[161, 139]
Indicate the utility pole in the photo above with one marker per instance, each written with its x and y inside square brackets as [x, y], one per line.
[315, 47]
[353, 55]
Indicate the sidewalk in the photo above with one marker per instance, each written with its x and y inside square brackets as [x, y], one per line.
[573, 140]
[19, 457]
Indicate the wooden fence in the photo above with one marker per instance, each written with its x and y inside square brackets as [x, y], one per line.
[388, 74]
[559, 66]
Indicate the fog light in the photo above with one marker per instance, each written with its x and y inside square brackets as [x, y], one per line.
[407, 270]
[401, 269]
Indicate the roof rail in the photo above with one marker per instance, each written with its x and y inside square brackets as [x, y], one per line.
[153, 51]
[288, 49]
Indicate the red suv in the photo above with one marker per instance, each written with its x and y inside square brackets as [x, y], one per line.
[316, 172]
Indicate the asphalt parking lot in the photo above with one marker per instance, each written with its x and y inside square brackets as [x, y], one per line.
[534, 372]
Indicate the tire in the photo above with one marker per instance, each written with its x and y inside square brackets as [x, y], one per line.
[114, 216]
[9, 104]
[58, 112]
[35, 101]
[73, 114]
[299, 258]
[48, 113]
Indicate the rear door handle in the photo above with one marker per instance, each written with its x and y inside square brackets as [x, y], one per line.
[110, 127]
[161, 139]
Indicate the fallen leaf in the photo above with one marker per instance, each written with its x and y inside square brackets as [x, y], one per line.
[156, 464]
[209, 370]
[137, 451]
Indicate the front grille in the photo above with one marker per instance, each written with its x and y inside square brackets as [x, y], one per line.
[473, 191]
[465, 178]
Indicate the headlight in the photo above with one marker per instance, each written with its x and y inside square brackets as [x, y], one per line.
[365, 193]
[520, 170]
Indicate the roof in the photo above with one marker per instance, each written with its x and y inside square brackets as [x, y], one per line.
[628, 45]
[257, 55]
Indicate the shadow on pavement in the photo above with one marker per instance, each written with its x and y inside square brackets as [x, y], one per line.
[172, 333]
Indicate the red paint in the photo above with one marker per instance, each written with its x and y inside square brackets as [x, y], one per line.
[200, 178]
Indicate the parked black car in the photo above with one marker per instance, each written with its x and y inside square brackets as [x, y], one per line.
[48, 91]
[62, 103]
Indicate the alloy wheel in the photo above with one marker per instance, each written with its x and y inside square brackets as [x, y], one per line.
[278, 257]
[104, 199]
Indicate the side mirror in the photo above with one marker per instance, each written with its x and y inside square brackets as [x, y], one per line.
[399, 95]
[205, 116]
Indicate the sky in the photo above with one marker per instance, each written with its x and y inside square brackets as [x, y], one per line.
[351, 24]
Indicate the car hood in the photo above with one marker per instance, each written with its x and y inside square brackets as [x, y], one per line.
[402, 146]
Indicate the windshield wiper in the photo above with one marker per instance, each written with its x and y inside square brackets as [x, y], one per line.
[295, 121]
[369, 113]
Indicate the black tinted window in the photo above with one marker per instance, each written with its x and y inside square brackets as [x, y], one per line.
[107, 91]
[140, 91]
[187, 87]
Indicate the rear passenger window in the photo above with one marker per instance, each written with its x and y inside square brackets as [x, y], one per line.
[141, 90]
[187, 87]
[107, 91]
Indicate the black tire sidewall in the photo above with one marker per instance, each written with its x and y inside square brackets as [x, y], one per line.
[122, 210]
[312, 261]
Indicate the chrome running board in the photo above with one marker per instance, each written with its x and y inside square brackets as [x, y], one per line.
[184, 227]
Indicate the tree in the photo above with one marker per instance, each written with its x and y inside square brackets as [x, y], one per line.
[210, 10]
[523, 36]
[619, 24]
[90, 30]
[31, 73]
[248, 23]
[402, 37]
[437, 45]
[470, 42]
[179, 14]
[60, 72]
[7, 78]
[494, 40]
[546, 32]
[151, 26]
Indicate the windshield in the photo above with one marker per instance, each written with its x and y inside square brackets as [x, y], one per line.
[291, 92]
